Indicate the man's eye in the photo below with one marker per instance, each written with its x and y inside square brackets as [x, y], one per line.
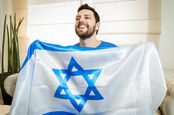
[87, 17]
[77, 18]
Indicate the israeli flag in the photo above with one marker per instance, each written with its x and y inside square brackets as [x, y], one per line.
[72, 80]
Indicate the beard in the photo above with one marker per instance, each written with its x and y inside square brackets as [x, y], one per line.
[85, 34]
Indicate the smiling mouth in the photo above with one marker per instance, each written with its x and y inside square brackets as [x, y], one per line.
[82, 26]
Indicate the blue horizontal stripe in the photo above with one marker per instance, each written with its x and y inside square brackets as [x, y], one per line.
[38, 45]
[59, 113]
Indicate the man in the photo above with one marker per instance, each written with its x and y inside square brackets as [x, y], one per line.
[56, 80]
[87, 26]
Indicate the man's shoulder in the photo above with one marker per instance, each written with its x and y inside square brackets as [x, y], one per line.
[105, 44]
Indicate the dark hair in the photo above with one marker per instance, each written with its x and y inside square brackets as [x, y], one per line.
[86, 6]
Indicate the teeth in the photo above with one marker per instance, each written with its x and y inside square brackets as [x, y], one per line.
[82, 27]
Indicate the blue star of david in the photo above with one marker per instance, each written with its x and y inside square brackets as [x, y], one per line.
[85, 74]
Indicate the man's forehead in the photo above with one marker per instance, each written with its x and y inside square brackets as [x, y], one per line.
[85, 12]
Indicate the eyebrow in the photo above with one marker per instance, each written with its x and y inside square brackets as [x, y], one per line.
[85, 15]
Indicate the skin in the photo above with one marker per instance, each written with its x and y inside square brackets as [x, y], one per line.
[86, 27]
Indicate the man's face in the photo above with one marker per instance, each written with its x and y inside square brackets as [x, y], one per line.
[85, 25]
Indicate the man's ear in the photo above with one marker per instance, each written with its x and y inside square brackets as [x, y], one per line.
[97, 26]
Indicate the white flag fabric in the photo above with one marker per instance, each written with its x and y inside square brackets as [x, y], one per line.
[72, 80]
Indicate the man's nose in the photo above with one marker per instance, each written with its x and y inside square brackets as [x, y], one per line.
[82, 19]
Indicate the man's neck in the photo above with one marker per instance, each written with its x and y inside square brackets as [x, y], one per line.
[90, 42]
